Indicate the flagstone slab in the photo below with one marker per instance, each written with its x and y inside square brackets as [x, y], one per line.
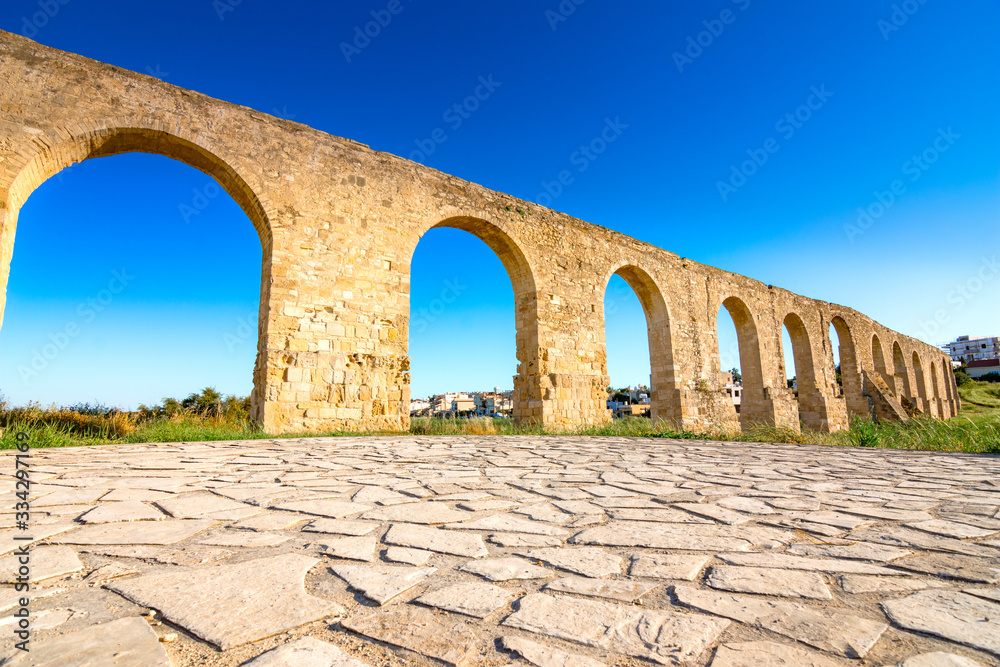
[427, 513]
[771, 654]
[341, 527]
[950, 529]
[947, 566]
[420, 630]
[985, 593]
[15, 539]
[661, 636]
[190, 554]
[244, 538]
[511, 524]
[129, 510]
[126, 642]
[351, 548]
[66, 496]
[588, 561]
[916, 539]
[787, 562]
[505, 569]
[940, 659]
[407, 555]
[667, 566]
[10, 597]
[332, 508]
[436, 539]
[305, 652]
[524, 540]
[230, 605]
[953, 615]
[863, 583]
[713, 511]
[856, 551]
[268, 521]
[472, 599]
[744, 504]
[833, 631]
[622, 591]
[767, 581]
[110, 572]
[546, 656]
[196, 504]
[656, 536]
[382, 583]
[43, 563]
[168, 531]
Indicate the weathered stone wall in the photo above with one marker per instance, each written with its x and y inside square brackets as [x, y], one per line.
[339, 223]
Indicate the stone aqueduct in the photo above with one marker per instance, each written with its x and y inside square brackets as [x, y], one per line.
[339, 222]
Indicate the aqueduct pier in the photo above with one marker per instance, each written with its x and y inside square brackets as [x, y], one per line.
[338, 225]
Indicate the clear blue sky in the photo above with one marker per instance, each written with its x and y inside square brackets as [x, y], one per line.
[888, 92]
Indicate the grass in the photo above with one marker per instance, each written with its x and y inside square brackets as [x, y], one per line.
[975, 430]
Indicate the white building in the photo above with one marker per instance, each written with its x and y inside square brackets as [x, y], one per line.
[973, 348]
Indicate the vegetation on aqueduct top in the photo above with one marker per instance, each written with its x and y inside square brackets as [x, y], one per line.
[209, 416]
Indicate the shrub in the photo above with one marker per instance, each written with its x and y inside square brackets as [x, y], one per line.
[962, 378]
[990, 377]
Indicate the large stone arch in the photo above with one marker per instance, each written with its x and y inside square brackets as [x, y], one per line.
[753, 408]
[665, 395]
[810, 410]
[47, 156]
[902, 374]
[528, 390]
[878, 362]
[850, 370]
[936, 398]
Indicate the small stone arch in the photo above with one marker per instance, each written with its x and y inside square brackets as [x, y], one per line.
[752, 409]
[901, 373]
[918, 373]
[878, 361]
[664, 382]
[850, 372]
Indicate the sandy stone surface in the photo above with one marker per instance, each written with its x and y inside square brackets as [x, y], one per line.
[306, 652]
[436, 563]
[127, 642]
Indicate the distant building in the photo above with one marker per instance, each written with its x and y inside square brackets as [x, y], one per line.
[735, 392]
[419, 407]
[974, 348]
[981, 367]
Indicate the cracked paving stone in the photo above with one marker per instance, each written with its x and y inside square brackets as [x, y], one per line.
[305, 652]
[588, 561]
[268, 521]
[196, 504]
[425, 513]
[127, 642]
[244, 538]
[188, 555]
[351, 548]
[523, 540]
[985, 593]
[835, 632]
[407, 555]
[341, 527]
[916, 539]
[168, 531]
[419, 630]
[110, 572]
[744, 504]
[435, 539]
[857, 551]
[947, 566]
[546, 656]
[487, 505]
[8, 542]
[334, 509]
[765, 581]
[665, 637]
[953, 615]
[505, 569]
[864, 583]
[382, 583]
[472, 599]
[950, 529]
[712, 511]
[9, 597]
[667, 566]
[887, 514]
[45, 563]
[511, 524]
[827, 518]
[657, 536]
[129, 510]
[622, 591]
[230, 605]
[772, 654]
[939, 659]
[786, 562]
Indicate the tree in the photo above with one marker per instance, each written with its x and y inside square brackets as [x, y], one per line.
[737, 376]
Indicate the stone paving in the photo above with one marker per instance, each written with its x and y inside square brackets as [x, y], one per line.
[554, 552]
